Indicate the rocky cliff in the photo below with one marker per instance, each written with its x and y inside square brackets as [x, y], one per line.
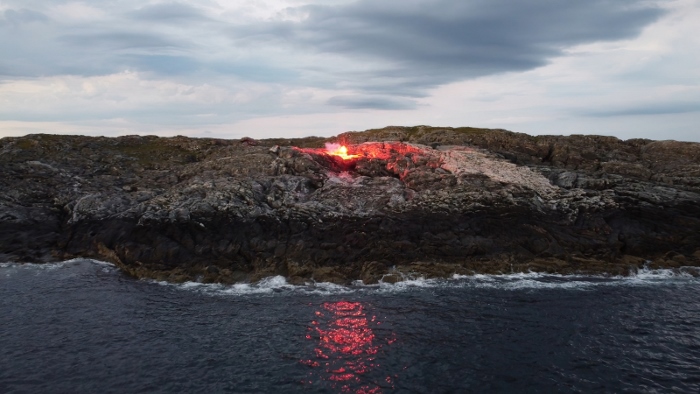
[410, 201]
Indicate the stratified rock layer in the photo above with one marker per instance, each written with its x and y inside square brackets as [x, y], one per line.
[421, 200]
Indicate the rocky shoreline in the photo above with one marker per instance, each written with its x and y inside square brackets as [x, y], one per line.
[422, 201]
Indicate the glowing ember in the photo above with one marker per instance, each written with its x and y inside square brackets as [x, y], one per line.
[340, 151]
[367, 150]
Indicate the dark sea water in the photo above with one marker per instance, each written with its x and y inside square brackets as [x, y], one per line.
[83, 327]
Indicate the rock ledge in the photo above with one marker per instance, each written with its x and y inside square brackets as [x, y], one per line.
[419, 201]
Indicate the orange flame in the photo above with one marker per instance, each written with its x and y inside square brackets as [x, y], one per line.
[340, 151]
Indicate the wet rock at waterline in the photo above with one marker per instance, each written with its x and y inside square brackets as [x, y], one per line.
[399, 201]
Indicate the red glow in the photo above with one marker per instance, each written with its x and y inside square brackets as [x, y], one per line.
[347, 347]
[368, 150]
[340, 151]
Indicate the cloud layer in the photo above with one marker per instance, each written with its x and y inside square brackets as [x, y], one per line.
[405, 46]
[427, 43]
[211, 64]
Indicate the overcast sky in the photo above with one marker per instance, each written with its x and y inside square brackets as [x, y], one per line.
[291, 68]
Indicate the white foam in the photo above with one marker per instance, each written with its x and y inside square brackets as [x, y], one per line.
[408, 283]
[273, 282]
[529, 284]
[662, 273]
[514, 281]
[646, 276]
[8, 269]
[53, 266]
[535, 280]
[270, 285]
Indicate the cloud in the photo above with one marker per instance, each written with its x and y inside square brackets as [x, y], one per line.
[70, 43]
[660, 108]
[389, 48]
[371, 102]
[22, 16]
[168, 13]
[164, 64]
[427, 43]
[119, 40]
[322, 66]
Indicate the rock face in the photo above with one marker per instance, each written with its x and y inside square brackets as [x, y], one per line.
[421, 200]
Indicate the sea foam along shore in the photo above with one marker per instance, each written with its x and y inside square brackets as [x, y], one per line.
[519, 281]
[278, 285]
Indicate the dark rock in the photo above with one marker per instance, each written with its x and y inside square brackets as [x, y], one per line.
[416, 201]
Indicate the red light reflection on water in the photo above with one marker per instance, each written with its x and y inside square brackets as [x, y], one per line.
[347, 347]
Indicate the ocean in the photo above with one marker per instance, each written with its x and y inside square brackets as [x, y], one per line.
[81, 326]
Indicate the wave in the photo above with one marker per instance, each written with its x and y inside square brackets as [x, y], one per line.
[270, 285]
[52, 266]
[513, 282]
[536, 280]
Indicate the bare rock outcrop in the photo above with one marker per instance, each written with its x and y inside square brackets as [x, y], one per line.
[420, 200]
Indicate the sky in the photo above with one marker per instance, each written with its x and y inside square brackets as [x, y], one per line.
[295, 68]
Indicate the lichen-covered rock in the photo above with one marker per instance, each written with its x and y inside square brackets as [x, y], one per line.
[406, 202]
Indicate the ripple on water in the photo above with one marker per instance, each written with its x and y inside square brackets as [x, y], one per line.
[82, 326]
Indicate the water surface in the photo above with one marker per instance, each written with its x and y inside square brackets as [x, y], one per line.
[83, 327]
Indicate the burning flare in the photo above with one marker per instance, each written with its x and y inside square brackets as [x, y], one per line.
[367, 150]
[340, 151]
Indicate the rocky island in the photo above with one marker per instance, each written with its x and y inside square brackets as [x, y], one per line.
[381, 204]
